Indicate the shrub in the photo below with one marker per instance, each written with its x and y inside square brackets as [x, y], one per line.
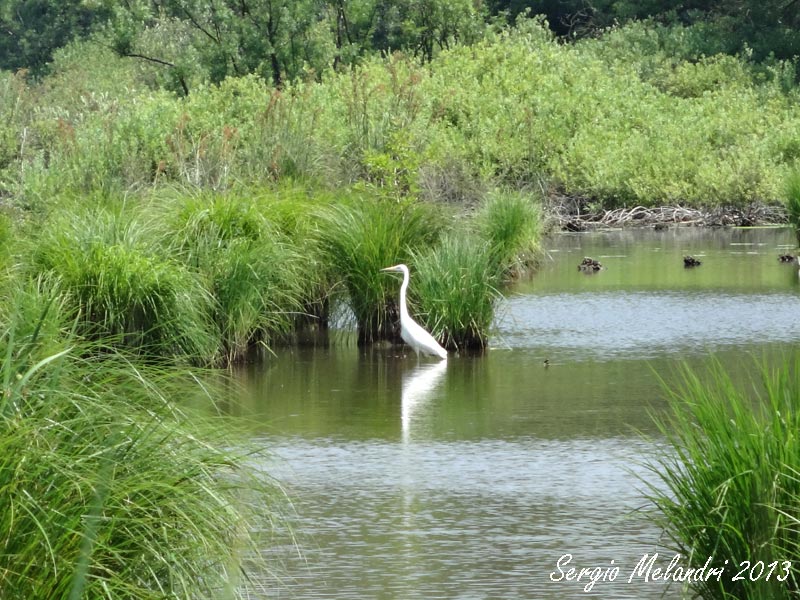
[727, 483]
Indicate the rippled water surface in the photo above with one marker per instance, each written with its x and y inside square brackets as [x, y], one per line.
[471, 478]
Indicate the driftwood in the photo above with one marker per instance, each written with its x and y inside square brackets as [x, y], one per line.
[572, 215]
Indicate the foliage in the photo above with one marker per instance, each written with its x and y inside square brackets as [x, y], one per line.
[793, 200]
[511, 225]
[362, 236]
[255, 274]
[33, 30]
[455, 285]
[637, 116]
[729, 477]
[109, 490]
[120, 287]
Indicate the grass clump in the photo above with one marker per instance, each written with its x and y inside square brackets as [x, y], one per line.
[109, 490]
[252, 269]
[510, 222]
[728, 481]
[360, 238]
[113, 273]
[455, 287]
[792, 191]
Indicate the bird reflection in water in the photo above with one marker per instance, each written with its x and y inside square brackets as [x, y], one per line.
[419, 385]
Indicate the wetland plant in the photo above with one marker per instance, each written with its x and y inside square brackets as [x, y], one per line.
[510, 222]
[727, 483]
[360, 238]
[113, 271]
[455, 288]
[258, 279]
[792, 191]
[109, 489]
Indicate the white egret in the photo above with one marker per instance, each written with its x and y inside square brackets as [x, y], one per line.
[411, 331]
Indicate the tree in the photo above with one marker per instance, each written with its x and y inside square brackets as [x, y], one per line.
[31, 30]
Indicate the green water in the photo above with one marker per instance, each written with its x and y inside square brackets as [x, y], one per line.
[470, 478]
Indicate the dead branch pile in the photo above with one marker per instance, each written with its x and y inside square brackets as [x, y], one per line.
[573, 215]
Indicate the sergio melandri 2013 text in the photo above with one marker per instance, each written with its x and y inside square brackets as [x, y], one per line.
[646, 570]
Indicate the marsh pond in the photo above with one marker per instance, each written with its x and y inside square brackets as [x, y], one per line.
[472, 478]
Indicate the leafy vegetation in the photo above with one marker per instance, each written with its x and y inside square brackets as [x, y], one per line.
[359, 239]
[637, 116]
[793, 200]
[109, 489]
[728, 479]
[456, 287]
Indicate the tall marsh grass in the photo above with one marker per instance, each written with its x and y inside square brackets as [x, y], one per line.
[258, 279]
[363, 236]
[511, 224]
[109, 490]
[727, 484]
[112, 269]
[792, 191]
[456, 287]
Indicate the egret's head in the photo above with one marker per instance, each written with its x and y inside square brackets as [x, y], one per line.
[401, 268]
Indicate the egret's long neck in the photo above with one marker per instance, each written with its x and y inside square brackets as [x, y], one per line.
[403, 288]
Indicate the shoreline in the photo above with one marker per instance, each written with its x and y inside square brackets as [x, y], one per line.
[575, 214]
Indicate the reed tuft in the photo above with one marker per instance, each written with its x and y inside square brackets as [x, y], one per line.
[109, 489]
[510, 222]
[455, 286]
[360, 238]
[726, 484]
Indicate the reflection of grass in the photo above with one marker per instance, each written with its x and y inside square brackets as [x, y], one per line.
[108, 490]
[728, 484]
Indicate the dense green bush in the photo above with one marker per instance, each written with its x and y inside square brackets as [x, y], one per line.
[360, 237]
[729, 478]
[109, 489]
[638, 115]
[111, 268]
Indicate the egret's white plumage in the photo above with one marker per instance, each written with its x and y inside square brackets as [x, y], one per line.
[411, 331]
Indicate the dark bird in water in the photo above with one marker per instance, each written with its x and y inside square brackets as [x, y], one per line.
[546, 362]
[691, 261]
[786, 258]
[589, 265]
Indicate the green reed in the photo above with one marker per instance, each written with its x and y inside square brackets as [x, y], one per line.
[455, 287]
[511, 224]
[257, 277]
[113, 270]
[361, 237]
[792, 192]
[110, 491]
[726, 485]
